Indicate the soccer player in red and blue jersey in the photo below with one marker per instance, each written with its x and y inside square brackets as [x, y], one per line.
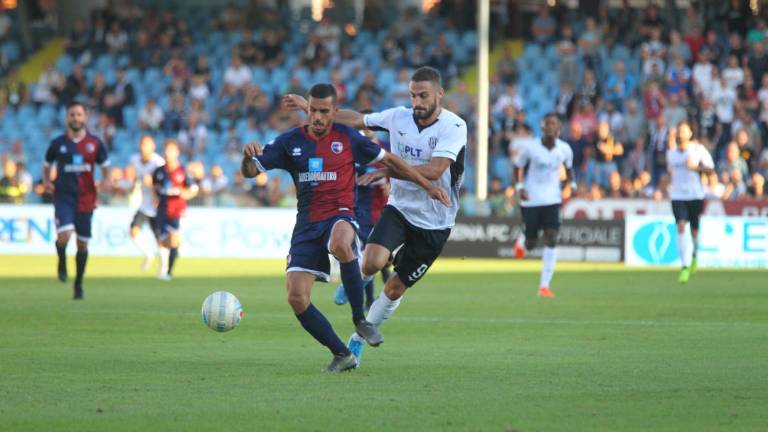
[173, 189]
[75, 153]
[321, 158]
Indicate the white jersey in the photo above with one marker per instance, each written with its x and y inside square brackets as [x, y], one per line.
[447, 138]
[542, 179]
[146, 169]
[685, 183]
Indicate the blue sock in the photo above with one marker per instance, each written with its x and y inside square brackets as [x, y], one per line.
[61, 251]
[318, 326]
[174, 253]
[81, 258]
[369, 293]
[353, 286]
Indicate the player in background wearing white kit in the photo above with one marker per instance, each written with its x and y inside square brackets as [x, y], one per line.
[686, 161]
[146, 161]
[538, 168]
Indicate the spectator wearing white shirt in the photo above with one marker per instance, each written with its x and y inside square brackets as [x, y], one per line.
[199, 88]
[218, 183]
[733, 73]
[237, 74]
[116, 39]
[509, 98]
[151, 116]
[46, 90]
[702, 73]
[194, 137]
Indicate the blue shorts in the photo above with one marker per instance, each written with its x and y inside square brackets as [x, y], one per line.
[309, 247]
[363, 232]
[165, 225]
[68, 218]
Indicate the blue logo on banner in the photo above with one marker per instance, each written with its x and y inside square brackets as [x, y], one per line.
[315, 164]
[656, 243]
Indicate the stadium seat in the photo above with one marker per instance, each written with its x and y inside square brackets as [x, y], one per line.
[11, 51]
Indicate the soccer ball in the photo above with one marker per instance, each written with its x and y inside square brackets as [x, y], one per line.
[222, 311]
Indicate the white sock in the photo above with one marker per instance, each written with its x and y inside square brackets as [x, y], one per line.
[164, 258]
[549, 258]
[143, 246]
[381, 309]
[335, 270]
[521, 239]
[682, 246]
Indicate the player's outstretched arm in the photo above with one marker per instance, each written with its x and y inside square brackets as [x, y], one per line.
[432, 170]
[248, 166]
[354, 119]
[400, 169]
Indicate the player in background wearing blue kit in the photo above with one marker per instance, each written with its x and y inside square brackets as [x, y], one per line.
[75, 154]
[321, 158]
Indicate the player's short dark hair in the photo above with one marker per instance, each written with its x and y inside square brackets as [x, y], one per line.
[322, 91]
[426, 73]
[75, 103]
[551, 114]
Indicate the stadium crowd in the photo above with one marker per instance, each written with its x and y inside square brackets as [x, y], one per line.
[622, 80]
[212, 80]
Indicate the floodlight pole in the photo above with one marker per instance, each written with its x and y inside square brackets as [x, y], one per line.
[483, 22]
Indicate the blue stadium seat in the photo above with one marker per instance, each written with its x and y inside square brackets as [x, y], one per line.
[131, 117]
[64, 64]
[501, 168]
[11, 51]
[469, 40]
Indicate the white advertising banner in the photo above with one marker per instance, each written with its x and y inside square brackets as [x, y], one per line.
[736, 242]
[206, 232]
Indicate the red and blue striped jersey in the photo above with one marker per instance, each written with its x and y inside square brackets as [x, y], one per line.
[323, 170]
[168, 186]
[75, 162]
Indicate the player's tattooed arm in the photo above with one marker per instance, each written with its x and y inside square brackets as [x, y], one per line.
[248, 167]
[432, 170]
[400, 169]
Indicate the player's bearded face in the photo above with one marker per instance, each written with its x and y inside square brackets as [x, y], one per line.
[321, 113]
[76, 118]
[424, 98]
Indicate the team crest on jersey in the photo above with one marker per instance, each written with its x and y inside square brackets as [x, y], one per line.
[178, 177]
[337, 147]
[90, 148]
[432, 142]
[63, 149]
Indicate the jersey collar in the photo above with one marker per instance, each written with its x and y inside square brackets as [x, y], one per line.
[420, 127]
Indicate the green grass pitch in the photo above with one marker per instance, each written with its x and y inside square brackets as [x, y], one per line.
[471, 348]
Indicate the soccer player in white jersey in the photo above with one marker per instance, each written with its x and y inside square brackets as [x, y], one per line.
[538, 167]
[146, 161]
[412, 227]
[686, 161]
